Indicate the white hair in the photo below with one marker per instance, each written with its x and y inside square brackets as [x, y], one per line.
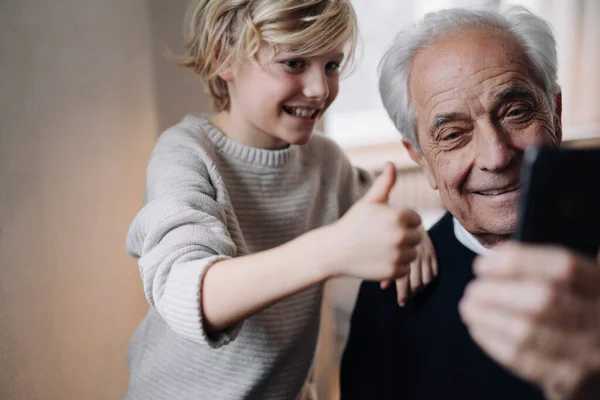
[532, 32]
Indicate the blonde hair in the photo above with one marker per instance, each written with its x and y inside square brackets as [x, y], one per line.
[221, 33]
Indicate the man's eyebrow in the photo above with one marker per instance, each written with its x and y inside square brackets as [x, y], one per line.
[515, 92]
[442, 119]
[511, 93]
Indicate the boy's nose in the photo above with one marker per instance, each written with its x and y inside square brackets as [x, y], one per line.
[316, 85]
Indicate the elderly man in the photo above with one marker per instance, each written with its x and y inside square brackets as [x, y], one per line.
[470, 90]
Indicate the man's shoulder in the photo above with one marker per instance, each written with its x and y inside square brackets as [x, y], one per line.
[442, 233]
[442, 226]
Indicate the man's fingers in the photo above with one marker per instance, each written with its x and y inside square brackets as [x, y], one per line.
[544, 263]
[554, 375]
[505, 338]
[530, 365]
[534, 299]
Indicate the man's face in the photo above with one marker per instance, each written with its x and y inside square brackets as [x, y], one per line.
[478, 107]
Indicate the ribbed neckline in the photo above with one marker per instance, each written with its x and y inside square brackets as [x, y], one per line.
[239, 151]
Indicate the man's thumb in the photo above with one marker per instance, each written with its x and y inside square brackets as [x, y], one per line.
[381, 188]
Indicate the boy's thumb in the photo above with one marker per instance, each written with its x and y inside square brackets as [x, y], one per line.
[381, 188]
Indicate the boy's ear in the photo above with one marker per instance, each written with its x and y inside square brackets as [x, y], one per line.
[418, 157]
[226, 75]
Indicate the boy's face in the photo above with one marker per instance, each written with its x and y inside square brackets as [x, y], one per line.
[278, 100]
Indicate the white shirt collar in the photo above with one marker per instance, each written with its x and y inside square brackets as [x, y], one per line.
[468, 240]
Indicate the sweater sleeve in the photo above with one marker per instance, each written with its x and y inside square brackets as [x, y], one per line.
[181, 231]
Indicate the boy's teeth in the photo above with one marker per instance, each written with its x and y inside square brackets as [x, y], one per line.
[302, 112]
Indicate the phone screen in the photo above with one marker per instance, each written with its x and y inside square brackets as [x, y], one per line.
[560, 198]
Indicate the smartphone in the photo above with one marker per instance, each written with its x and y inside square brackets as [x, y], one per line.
[560, 198]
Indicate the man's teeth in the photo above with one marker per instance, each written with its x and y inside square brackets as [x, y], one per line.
[497, 192]
[492, 192]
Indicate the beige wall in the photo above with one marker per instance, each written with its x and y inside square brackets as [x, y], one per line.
[82, 96]
[178, 91]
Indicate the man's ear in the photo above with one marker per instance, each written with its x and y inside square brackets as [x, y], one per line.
[418, 157]
[558, 117]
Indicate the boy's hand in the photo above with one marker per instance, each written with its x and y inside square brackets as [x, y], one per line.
[373, 241]
[423, 270]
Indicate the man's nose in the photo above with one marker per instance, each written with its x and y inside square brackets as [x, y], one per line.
[494, 149]
[316, 85]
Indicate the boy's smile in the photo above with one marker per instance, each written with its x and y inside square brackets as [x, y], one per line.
[302, 112]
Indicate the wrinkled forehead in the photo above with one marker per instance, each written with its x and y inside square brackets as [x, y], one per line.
[467, 67]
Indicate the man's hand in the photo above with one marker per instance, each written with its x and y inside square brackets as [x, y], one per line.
[536, 310]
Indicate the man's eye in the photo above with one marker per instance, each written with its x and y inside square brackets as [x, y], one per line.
[517, 112]
[294, 64]
[451, 136]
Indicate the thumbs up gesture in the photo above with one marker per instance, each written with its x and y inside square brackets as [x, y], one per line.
[372, 241]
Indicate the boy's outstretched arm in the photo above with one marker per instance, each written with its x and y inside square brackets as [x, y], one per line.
[371, 241]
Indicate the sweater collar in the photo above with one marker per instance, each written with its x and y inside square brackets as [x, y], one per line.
[242, 152]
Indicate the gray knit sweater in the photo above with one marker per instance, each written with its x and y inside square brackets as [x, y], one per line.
[209, 198]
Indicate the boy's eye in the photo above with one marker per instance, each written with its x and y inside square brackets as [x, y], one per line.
[332, 66]
[294, 64]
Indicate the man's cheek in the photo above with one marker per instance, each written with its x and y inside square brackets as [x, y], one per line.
[543, 131]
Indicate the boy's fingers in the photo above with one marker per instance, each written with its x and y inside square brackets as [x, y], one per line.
[416, 279]
[427, 272]
[412, 237]
[403, 290]
[409, 218]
